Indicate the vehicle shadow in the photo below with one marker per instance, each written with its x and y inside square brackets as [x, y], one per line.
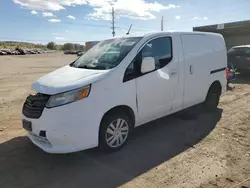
[24, 165]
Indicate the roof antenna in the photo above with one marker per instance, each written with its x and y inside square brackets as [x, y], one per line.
[129, 30]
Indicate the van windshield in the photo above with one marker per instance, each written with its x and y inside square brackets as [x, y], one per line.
[106, 54]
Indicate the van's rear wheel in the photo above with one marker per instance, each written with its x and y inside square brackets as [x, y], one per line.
[114, 131]
[213, 98]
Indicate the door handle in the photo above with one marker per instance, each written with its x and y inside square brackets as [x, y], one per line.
[191, 71]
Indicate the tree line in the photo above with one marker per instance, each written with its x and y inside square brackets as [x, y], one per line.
[21, 45]
[66, 46]
[51, 46]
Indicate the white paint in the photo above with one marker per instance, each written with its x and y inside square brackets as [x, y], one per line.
[75, 126]
[207, 53]
[67, 78]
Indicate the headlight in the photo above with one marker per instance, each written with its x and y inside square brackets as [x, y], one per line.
[68, 97]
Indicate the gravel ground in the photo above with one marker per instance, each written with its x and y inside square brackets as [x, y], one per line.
[195, 149]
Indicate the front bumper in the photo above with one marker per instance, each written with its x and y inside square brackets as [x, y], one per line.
[68, 129]
[46, 146]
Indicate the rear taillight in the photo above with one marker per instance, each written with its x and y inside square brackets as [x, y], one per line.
[227, 73]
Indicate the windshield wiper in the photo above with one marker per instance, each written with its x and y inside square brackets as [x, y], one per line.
[85, 67]
[72, 64]
[89, 67]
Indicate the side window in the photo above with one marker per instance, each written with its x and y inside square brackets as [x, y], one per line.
[130, 72]
[160, 49]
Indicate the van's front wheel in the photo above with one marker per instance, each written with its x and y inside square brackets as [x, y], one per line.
[114, 131]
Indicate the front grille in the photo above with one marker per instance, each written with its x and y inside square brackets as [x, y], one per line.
[34, 105]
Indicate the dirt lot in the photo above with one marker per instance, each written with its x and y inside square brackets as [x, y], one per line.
[199, 150]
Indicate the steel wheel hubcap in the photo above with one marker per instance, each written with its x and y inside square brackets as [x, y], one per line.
[117, 133]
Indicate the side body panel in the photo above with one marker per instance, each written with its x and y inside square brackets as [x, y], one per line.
[203, 54]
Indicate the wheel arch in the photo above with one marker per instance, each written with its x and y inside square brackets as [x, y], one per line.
[215, 86]
[123, 108]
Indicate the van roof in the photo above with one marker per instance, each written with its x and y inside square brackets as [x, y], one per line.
[183, 32]
[172, 33]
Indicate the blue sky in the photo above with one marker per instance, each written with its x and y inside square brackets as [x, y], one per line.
[63, 21]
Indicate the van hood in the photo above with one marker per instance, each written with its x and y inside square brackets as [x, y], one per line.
[67, 78]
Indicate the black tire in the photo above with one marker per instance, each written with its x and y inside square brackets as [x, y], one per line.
[212, 99]
[109, 118]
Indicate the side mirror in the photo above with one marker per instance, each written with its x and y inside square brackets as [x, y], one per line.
[147, 65]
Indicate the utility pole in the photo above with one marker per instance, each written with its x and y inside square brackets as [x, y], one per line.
[113, 21]
[162, 23]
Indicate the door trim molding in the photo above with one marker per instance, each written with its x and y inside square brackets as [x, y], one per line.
[218, 70]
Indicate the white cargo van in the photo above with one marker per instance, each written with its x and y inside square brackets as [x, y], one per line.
[122, 83]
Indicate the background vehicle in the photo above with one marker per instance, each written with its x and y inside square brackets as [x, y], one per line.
[122, 83]
[21, 51]
[32, 52]
[66, 52]
[15, 52]
[239, 58]
[8, 52]
[80, 53]
[71, 52]
[3, 52]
